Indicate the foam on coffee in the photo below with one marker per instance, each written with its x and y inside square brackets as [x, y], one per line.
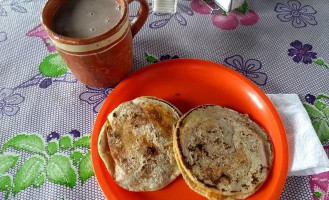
[85, 18]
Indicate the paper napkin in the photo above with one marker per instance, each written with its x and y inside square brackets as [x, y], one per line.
[306, 153]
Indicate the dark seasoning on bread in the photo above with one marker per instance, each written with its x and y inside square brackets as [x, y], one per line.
[139, 137]
[222, 154]
[222, 151]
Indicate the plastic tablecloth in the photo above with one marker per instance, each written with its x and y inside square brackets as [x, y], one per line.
[47, 116]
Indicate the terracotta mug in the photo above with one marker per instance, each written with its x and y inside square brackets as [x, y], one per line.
[103, 60]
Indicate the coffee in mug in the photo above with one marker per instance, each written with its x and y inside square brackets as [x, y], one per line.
[86, 18]
[94, 37]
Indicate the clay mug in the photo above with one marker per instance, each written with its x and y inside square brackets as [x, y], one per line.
[103, 60]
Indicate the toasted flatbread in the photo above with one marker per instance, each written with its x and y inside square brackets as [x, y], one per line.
[104, 149]
[193, 185]
[223, 153]
[136, 144]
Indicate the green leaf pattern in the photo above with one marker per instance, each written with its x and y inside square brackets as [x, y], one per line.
[313, 112]
[7, 161]
[53, 65]
[243, 9]
[76, 157]
[44, 163]
[85, 168]
[65, 142]
[326, 112]
[150, 58]
[30, 143]
[317, 194]
[6, 184]
[319, 116]
[82, 142]
[60, 171]
[28, 172]
[52, 148]
[321, 62]
[39, 181]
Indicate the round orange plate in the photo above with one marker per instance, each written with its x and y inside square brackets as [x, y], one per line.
[187, 83]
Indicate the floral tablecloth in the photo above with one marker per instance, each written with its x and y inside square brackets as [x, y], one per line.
[47, 116]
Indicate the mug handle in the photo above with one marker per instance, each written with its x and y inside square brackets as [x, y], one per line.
[142, 15]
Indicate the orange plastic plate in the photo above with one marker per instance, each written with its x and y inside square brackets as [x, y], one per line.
[187, 83]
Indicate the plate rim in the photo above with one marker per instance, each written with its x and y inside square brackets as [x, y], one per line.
[284, 143]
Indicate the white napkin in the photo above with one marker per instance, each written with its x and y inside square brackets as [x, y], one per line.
[306, 153]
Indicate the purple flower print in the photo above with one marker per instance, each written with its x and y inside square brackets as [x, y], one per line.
[249, 68]
[166, 57]
[44, 82]
[301, 52]
[53, 135]
[75, 133]
[165, 17]
[153, 59]
[9, 101]
[309, 98]
[14, 5]
[299, 15]
[95, 97]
